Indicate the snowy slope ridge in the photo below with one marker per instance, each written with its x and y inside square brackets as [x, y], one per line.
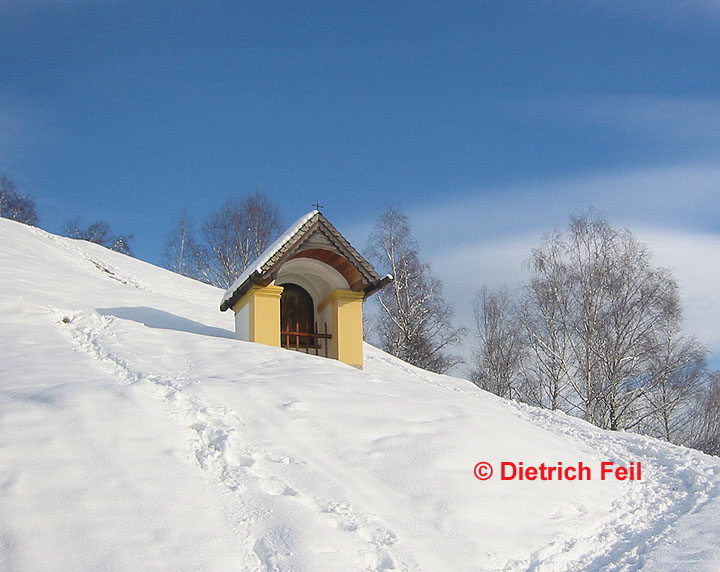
[136, 434]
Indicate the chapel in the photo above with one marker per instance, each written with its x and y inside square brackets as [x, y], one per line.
[305, 292]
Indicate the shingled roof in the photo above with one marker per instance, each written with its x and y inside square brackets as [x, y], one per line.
[311, 236]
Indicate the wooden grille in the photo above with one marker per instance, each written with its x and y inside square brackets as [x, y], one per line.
[306, 341]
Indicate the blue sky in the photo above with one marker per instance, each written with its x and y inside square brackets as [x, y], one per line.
[489, 122]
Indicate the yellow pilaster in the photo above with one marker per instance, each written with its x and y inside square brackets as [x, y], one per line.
[347, 332]
[263, 313]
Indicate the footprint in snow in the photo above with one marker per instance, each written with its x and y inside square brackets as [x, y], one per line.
[295, 406]
[276, 487]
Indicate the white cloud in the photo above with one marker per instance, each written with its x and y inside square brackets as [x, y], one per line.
[682, 196]
[693, 258]
[483, 237]
[466, 266]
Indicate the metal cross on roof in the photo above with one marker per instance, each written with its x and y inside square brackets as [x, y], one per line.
[318, 206]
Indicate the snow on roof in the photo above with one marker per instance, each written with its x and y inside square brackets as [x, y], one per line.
[267, 254]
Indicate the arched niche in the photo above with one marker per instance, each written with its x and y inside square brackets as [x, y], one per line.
[318, 278]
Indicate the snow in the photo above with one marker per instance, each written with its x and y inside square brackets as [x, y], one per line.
[267, 254]
[136, 434]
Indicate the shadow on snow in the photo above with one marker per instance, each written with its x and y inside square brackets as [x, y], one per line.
[153, 318]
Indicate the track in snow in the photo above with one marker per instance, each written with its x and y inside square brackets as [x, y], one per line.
[247, 475]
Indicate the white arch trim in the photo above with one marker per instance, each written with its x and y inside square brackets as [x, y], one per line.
[318, 278]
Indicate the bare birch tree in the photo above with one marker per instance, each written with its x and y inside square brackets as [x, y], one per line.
[498, 352]
[707, 417]
[549, 370]
[235, 235]
[414, 322]
[677, 373]
[601, 339]
[182, 253]
[599, 287]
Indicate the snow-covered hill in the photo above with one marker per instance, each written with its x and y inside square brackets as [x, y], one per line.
[136, 434]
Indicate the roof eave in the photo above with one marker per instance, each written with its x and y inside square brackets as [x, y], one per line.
[379, 285]
[240, 291]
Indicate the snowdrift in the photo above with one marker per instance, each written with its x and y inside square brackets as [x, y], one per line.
[137, 434]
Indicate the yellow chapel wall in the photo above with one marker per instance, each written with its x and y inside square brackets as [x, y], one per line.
[347, 332]
[257, 315]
